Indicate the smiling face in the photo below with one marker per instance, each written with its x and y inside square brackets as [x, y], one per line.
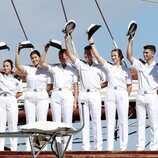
[148, 54]
[88, 56]
[35, 59]
[62, 57]
[115, 57]
[7, 67]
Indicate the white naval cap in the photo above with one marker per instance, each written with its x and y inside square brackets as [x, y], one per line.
[132, 27]
[92, 29]
[3, 45]
[69, 27]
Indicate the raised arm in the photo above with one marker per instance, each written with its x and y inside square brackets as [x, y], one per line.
[129, 50]
[95, 52]
[69, 53]
[18, 64]
[43, 56]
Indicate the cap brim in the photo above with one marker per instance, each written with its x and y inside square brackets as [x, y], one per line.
[69, 27]
[92, 29]
[3, 45]
[55, 43]
[26, 44]
[132, 27]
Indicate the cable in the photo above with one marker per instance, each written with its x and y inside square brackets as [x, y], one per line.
[108, 28]
[113, 40]
[66, 19]
[19, 19]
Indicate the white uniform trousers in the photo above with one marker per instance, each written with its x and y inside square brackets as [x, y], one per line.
[117, 99]
[8, 113]
[147, 104]
[92, 107]
[36, 109]
[62, 110]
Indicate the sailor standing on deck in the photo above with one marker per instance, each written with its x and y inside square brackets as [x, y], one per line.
[147, 99]
[63, 99]
[39, 83]
[92, 79]
[10, 89]
[116, 97]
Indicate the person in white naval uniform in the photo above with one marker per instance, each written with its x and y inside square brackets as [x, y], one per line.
[147, 99]
[10, 90]
[39, 83]
[116, 96]
[92, 79]
[63, 98]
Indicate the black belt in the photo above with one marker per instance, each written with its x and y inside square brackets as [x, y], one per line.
[5, 94]
[90, 90]
[61, 89]
[36, 90]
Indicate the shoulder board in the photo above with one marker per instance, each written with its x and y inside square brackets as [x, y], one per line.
[17, 77]
[157, 64]
[110, 63]
[142, 61]
[71, 65]
[56, 64]
[83, 61]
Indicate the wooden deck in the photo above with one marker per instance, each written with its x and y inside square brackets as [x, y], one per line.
[85, 154]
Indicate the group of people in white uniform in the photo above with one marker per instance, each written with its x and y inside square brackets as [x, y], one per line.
[41, 78]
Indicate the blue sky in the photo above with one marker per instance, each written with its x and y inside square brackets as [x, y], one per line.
[44, 19]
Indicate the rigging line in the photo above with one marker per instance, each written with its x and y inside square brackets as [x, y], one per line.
[132, 123]
[19, 19]
[113, 40]
[62, 4]
[147, 144]
[130, 115]
[114, 43]
[66, 19]
[151, 1]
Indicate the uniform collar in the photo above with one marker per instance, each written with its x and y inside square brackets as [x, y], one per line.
[152, 64]
[8, 76]
[118, 67]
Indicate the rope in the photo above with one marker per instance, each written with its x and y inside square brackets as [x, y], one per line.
[19, 20]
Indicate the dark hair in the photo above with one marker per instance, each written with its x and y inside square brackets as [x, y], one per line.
[11, 64]
[9, 61]
[61, 51]
[119, 52]
[35, 52]
[151, 47]
[87, 48]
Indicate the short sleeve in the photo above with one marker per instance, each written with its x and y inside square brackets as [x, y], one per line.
[137, 64]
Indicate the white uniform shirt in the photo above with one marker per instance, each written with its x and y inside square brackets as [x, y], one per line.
[37, 77]
[9, 84]
[117, 76]
[147, 75]
[90, 76]
[63, 77]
